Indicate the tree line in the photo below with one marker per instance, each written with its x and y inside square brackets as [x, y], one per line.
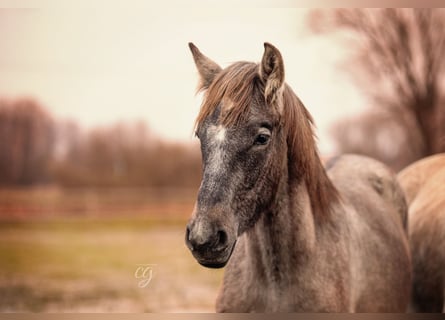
[37, 149]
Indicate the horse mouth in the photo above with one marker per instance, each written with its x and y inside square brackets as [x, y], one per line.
[216, 262]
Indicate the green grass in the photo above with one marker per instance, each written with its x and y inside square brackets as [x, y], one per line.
[87, 263]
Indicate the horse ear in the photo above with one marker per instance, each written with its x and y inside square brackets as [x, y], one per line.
[207, 68]
[272, 72]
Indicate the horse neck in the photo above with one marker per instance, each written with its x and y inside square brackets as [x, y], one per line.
[284, 236]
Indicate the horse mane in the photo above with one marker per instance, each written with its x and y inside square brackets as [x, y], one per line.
[235, 89]
[304, 160]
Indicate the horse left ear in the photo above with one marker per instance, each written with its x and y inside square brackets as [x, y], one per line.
[207, 68]
[272, 72]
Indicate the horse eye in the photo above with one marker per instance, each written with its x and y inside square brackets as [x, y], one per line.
[262, 139]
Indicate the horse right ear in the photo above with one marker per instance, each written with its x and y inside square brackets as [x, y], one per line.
[207, 68]
[272, 72]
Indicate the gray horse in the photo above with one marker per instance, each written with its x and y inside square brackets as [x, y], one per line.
[424, 185]
[294, 237]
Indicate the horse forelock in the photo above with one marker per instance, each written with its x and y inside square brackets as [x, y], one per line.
[235, 89]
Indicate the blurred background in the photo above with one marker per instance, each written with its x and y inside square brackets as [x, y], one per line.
[99, 167]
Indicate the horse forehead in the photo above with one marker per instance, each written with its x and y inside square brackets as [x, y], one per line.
[217, 133]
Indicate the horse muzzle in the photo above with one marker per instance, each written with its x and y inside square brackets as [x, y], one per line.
[210, 246]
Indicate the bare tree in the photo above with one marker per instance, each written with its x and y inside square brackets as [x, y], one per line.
[399, 66]
[26, 142]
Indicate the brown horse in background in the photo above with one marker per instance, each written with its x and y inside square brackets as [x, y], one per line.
[424, 185]
[294, 237]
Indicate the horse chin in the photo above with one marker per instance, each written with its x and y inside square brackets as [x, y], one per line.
[219, 262]
[213, 265]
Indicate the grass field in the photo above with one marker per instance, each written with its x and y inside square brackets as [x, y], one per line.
[84, 259]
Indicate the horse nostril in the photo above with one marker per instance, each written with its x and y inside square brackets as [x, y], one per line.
[222, 238]
[187, 233]
[187, 238]
[200, 239]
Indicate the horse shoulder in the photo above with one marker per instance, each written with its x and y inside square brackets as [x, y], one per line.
[369, 184]
[376, 214]
[413, 177]
[427, 232]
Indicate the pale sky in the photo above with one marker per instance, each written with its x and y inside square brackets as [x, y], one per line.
[100, 66]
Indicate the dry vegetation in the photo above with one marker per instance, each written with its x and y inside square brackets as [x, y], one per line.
[84, 260]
